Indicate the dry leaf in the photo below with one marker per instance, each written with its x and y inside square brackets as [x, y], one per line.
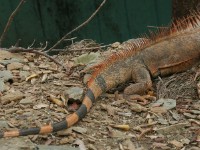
[110, 109]
[176, 143]
[86, 58]
[115, 133]
[56, 101]
[159, 110]
[41, 105]
[160, 145]
[44, 78]
[32, 76]
[122, 127]
[136, 107]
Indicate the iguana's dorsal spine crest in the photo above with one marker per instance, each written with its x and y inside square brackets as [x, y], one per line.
[178, 26]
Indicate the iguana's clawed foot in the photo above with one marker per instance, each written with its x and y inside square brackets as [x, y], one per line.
[143, 100]
[133, 90]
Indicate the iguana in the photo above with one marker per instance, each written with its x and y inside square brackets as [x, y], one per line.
[168, 51]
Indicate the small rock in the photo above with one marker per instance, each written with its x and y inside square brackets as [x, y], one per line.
[79, 130]
[26, 101]
[2, 86]
[24, 74]
[3, 124]
[6, 62]
[14, 66]
[9, 97]
[5, 55]
[188, 115]
[74, 93]
[80, 143]
[12, 110]
[6, 75]
[197, 112]
[18, 143]
[26, 68]
[166, 103]
[175, 115]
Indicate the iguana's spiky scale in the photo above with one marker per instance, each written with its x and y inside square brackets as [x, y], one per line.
[168, 51]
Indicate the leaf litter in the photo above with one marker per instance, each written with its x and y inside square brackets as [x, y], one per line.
[168, 121]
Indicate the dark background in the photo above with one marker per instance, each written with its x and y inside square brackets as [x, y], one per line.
[118, 20]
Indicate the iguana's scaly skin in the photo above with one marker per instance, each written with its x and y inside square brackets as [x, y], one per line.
[169, 51]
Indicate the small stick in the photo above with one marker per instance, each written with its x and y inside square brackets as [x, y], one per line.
[80, 49]
[10, 21]
[147, 125]
[36, 51]
[78, 27]
[89, 48]
[143, 132]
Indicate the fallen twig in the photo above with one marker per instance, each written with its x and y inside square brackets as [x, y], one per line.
[145, 125]
[10, 21]
[78, 27]
[143, 132]
[80, 49]
[89, 48]
[32, 50]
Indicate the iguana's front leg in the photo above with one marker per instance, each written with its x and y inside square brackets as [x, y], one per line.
[142, 79]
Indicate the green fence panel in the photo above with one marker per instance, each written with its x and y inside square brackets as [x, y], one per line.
[49, 20]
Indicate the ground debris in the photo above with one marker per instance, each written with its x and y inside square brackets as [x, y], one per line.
[122, 127]
[171, 128]
[136, 107]
[11, 97]
[147, 123]
[176, 143]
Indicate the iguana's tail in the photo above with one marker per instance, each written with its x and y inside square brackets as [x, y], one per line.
[70, 120]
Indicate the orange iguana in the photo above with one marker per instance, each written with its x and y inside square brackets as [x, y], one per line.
[168, 51]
